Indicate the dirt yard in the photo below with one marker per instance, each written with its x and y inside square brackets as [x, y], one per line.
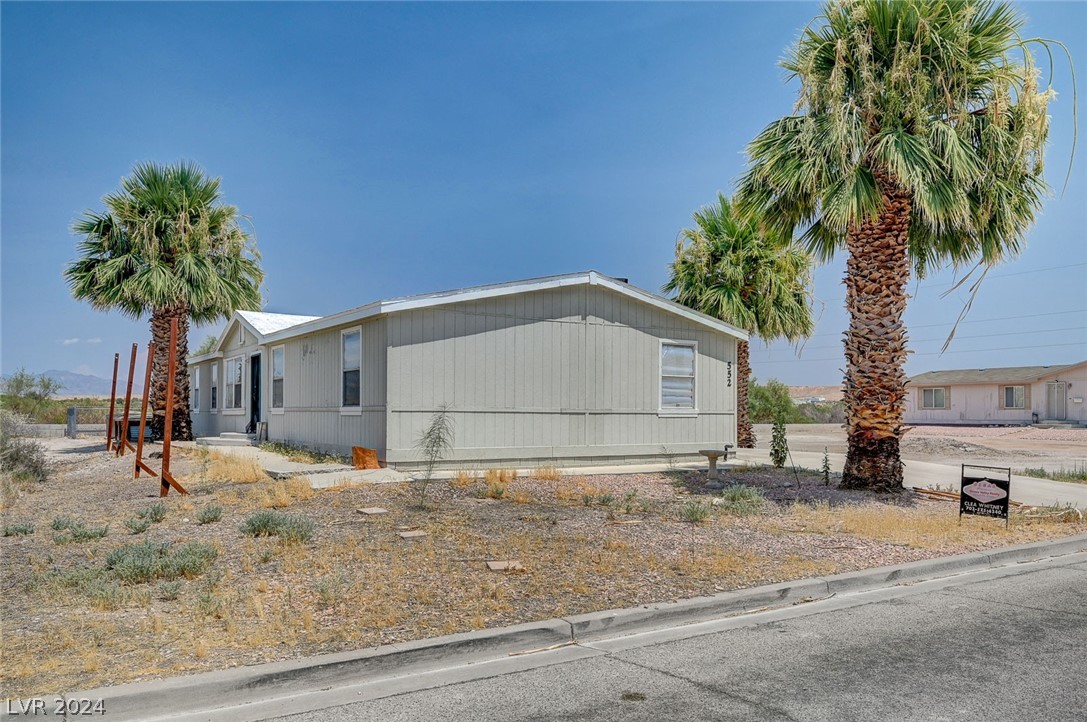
[82, 610]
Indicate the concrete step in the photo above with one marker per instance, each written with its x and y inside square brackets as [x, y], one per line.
[1046, 424]
[236, 435]
[240, 440]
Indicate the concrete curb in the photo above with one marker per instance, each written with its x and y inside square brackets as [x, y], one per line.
[208, 691]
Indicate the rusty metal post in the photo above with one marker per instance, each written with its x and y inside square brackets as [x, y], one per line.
[112, 403]
[167, 434]
[122, 441]
[143, 414]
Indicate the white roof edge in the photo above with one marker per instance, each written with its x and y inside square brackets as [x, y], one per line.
[591, 278]
[204, 357]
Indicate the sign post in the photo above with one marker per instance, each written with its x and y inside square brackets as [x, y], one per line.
[985, 491]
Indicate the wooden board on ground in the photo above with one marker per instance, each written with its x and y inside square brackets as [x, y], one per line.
[508, 565]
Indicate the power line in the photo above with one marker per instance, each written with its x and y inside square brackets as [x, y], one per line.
[929, 353]
[978, 320]
[957, 338]
[1002, 275]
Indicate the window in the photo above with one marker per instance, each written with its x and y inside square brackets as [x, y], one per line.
[196, 389]
[277, 377]
[935, 398]
[215, 386]
[677, 375]
[233, 383]
[1015, 397]
[351, 363]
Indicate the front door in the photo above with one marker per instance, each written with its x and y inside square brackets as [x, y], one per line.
[254, 391]
[1056, 397]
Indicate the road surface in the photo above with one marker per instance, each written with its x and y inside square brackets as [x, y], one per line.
[1001, 644]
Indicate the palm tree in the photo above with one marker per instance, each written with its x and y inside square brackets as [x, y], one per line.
[917, 141]
[728, 268]
[167, 247]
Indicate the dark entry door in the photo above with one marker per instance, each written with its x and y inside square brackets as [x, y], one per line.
[254, 390]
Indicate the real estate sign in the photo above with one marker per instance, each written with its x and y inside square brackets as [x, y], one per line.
[985, 491]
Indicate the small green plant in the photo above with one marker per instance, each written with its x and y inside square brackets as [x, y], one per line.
[18, 529]
[493, 490]
[669, 457]
[606, 499]
[76, 532]
[168, 591]
[137, 525]
[741, 499]
[826, 467]
[588, 499]
[330, 589]
[779, 445]
[209, 514]
[695, 512]
[266, 555]
[288, 527]
[208, 603]
[433, 444]
[147, 561]
[630, 502]
[154, 513]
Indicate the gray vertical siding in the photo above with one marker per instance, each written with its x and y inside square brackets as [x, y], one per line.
[311, 392]
[564, 374]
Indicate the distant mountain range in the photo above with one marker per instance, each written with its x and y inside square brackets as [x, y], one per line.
[73, 384]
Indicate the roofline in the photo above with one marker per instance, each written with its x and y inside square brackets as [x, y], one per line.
[1049, 372]
[475, 293]
[204, 357]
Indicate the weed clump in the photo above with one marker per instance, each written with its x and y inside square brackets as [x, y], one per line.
[741, 499]
[72, 531]
[209, 514]
[137, 525]
[18, 529]
[288, 527]
[779, 445]
[148, 561]
[695, 512]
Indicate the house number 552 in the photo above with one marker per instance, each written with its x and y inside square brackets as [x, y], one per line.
[728, 378]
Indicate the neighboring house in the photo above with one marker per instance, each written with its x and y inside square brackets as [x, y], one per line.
[1017, 395]
[567, 369]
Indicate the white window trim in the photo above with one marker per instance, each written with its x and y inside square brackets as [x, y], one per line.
[1004, 396]
[670, 411]
[272, 378]
[230, 410]
[214, 384]
[350, 410]
[196, 389]
[921, 393]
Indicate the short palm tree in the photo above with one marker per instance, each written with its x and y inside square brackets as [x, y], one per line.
[166, 246]
[917, 141]
[726, 267]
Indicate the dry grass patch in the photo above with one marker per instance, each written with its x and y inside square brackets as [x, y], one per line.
[222, 467]
[548, 472]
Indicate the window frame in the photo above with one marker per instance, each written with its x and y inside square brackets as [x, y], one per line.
[1004, 396]
[227, 386]
[947, 397]
[355, 408]
[195, 385]
[282, 351]
[678, 411]
[213, 406]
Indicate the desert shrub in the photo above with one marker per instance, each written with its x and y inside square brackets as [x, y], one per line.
[154, 513]
[288, 527]
[823, 412]
[22, 458]
[148, 561]
[500, 476]
[492, 490]
[330, 589]
[779, 445]
[69, 531]
[826, 467]
[18, 529]
[741, 499]
[136, 525]
[548, 472]
[766, 403]
[433, 444]
[209, 514]
[168, 591]
[695, 512]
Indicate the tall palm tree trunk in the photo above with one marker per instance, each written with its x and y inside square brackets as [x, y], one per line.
[875, 344]
[160, 333]
[745, 435]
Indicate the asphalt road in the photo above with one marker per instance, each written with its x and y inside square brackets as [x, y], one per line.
[1007, 644]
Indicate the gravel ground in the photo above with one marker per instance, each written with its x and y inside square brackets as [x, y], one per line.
[586, 543]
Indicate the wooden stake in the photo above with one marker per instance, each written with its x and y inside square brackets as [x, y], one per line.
[122, 440]
[143, 414]
[112, 403]
[171, 368]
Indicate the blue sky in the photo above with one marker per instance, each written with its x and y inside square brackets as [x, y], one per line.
[392, 149]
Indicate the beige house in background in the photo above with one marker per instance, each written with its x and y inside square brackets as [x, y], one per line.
[565, 369]
[1015, 395]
